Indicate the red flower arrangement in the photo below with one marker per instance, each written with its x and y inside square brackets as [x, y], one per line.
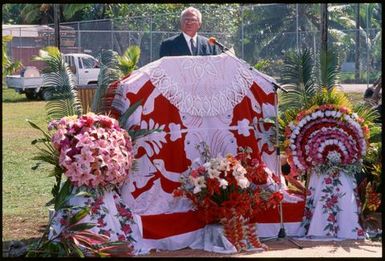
[227, 190]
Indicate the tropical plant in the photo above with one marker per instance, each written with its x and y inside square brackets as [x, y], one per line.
[60, 85]
[112, 68]
[9, 66]
[62, 100]
[304, 77]
[43, 13]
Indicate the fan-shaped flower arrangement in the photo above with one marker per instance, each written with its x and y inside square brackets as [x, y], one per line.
[93, 150]
[326, 138]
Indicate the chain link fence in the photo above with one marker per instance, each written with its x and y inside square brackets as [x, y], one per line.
[257, 32]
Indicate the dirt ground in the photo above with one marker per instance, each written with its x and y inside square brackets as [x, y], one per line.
[283, 248]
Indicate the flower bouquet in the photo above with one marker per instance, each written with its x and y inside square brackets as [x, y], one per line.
[95, 155]
[328, 142]
[326, 138]
[93, 150]
[227, 191]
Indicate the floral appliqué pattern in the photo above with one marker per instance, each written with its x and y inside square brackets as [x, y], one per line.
[330, 198]
[113, 219]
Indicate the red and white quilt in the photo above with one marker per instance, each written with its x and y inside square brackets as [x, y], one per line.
[193, 99]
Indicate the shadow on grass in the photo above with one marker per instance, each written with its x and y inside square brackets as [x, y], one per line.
[18, 99]
[26, 241]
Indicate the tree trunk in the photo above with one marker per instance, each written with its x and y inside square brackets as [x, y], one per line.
[357, 56]
[324, 28]
[56, 16]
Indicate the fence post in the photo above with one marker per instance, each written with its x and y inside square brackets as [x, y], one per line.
[242, 33]
[151, 39]
[297, 25]
[112, 34]
[79, 37]
[367, 46]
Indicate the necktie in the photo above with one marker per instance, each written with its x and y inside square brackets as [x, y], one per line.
[193, 47]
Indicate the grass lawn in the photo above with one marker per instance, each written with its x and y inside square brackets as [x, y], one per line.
[26, 191]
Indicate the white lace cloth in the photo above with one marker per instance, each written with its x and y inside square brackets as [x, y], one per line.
[212, 86]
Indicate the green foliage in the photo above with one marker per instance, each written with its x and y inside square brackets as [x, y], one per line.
[304, 79]
[112, 68]
[127, 62]
[262, 65]
[329, 70]
[43, 13]
[9, 67]
[60, 92]
[109, 72]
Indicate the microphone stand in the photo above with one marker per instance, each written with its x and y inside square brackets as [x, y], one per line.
[282, 232]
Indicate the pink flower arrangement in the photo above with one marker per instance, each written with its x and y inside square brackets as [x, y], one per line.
[93, 150]
[323, 136]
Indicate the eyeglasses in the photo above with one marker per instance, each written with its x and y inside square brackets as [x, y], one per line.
[190, 20]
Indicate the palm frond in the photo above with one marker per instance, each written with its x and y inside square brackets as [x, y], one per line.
[128, 61]
[69, 10]
[298, 69]
[328, 69]
[59, 83]
[370, 114]
[109, 72]
[59, 108]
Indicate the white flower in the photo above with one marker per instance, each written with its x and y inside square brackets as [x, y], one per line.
[223, 183]
[207, 165]
[334, 157]
[243, 183]
[197, 189]
[213, 173]
[239, 170]
[222, 165]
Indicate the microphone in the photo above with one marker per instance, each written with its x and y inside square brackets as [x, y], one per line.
[212, 41]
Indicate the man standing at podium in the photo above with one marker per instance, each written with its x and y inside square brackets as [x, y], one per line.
[188, 42]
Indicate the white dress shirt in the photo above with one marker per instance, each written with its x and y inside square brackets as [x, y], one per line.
[187, 37]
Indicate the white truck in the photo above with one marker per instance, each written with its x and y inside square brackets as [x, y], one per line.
[84, 67]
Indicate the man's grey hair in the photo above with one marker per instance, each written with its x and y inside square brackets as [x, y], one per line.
[192, 10]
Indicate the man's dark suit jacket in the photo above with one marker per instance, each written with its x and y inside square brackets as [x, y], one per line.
[177, 45]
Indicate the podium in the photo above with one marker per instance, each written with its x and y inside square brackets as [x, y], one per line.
[194, 99]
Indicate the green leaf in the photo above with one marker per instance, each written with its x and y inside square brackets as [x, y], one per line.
[142, 132]
[81, 226]
[79, 215]
[123, 119]
[63, 195]
[270, 120]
